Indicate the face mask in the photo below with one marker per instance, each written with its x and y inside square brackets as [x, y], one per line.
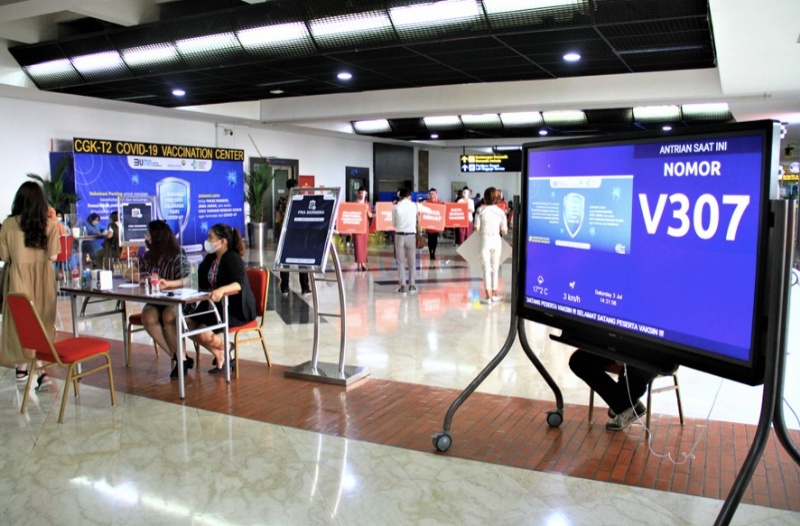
[209, 246]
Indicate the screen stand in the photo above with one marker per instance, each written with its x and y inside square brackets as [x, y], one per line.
[324, 372]
[775, 368]
[442, 440]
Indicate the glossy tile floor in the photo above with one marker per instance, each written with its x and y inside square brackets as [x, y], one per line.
[149, 461]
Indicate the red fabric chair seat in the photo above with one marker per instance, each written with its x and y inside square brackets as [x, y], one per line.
[74, 349]
[249, 325]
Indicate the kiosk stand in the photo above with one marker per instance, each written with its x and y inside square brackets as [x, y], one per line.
[305, 246]
[771, 414]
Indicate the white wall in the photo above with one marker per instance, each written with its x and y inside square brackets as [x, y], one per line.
[444, 168]
[29, 126]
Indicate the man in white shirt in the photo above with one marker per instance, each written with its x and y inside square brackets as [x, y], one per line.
[404, 220]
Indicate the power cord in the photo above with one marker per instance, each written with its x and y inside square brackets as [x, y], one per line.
[685, 456]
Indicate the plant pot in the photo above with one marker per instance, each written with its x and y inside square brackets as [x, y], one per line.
[257, 233]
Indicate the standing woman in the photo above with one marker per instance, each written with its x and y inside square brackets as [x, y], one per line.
[490, 223]
[222, 272]
[361, 241]
[29, 245]
[433, 235]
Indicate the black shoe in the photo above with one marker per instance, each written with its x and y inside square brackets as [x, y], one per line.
[188, 363]
[43, 381]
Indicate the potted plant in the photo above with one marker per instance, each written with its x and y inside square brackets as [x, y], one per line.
[53, 187]
[256, 185]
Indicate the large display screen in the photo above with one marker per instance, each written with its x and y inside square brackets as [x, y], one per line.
[652, 246]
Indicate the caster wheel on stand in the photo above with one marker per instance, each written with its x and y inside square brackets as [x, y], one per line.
[554, 418]
[442, 441]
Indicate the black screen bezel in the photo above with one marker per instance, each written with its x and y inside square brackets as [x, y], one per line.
[626, 345]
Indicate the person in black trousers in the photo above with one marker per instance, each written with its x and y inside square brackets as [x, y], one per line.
[622, 395]
[280, 214]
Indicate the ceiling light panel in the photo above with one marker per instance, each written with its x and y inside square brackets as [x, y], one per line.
[443, 123]
[426, 20]
[352, 29]
[521, 119]
[209, 49]
[279, 40]
[100, 66]
[372, 126]
[145, 56]
[511, 13]
[564, 117]
[657, 113]
[53, 73]
[704, 112]
[486, 120]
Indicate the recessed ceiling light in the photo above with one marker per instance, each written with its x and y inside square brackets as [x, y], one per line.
[542, 132]
[666, 128]
[277, 92]
[434, 136]
[572, 57]
[344, 75]
[178, 92]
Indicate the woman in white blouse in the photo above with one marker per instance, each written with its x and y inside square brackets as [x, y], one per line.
[491, 224]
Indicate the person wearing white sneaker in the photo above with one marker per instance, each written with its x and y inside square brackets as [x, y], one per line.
[404, 221]
[630, 385]
[490, 224]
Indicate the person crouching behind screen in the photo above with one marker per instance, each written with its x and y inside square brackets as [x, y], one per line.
[622, 395]
[491, 224]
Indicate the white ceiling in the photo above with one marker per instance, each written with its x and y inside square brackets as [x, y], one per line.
[758, 74]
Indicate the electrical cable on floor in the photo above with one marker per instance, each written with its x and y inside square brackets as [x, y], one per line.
[787, 404]
[686, 456]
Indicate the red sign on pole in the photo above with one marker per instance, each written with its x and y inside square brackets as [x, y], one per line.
[351, 218]
[431, 217]
[383, 216]
[456, 215]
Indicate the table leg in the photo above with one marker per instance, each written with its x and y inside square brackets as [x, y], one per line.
[180, 357]
[125, 336]
[73, 302]
[226, 339]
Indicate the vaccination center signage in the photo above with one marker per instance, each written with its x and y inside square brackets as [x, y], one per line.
[192, 187]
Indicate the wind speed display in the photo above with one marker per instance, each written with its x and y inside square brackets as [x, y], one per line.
[657, 238]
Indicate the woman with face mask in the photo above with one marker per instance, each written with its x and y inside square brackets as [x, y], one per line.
[223, 272]
[166, 258]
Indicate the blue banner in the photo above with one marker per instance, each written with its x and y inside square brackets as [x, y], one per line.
[193, 187]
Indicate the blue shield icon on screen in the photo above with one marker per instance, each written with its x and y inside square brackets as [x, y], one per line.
[574, 206]
[172, 203]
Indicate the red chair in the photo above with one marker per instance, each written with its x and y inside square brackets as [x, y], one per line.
[135, 320]
[64, 255]
[259, 284]
[70, 353]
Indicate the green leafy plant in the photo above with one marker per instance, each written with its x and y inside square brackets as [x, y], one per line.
[53, 187]
[257, 182]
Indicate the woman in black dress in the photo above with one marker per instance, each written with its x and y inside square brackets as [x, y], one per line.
[223, 272]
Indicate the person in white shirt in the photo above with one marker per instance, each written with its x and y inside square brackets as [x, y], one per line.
[404, 220]
[491, 223]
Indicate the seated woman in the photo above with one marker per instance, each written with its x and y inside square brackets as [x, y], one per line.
[167, 259]
[91, 227]
[223, 272]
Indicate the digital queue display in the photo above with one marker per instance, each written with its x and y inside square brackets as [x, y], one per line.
[655, 245]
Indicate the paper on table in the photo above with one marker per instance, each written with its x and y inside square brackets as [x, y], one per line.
[180, 293]
[129, 286]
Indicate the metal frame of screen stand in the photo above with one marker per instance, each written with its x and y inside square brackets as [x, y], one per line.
[771, 414]
[325, 372]
[442, 440]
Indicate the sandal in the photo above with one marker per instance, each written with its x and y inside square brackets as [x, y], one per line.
[21, 374]
[43, 381]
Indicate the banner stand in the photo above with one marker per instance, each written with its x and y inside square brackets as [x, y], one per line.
[326, 372]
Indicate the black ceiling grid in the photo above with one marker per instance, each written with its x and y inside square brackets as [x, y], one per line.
[612, 36]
